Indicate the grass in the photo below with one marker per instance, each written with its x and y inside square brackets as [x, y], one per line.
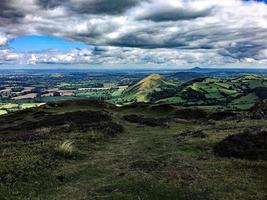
[30, 105]
[143, 162]
[149, 89]
[66, 148]
[6, 108]
[3, 112]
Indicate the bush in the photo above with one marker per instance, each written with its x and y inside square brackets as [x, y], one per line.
[259, 111]
[246, 145]
[223, 115]
[153, 122]
[75, 119]
[261, 92]
[189, 113]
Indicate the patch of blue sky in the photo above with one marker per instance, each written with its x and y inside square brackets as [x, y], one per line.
[31, 43]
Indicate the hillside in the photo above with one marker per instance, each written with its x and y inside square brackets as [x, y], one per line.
[149, 89]
[238, 93]
[94, 150]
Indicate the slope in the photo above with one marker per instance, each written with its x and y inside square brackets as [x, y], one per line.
[233, 93]
[150, 89]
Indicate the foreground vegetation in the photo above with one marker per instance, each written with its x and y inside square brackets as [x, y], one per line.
[94, 150]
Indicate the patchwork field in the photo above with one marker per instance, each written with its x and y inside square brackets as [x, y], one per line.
[6, 108]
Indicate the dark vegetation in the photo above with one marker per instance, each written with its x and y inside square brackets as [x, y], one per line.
[259, 111]
[261, 92]
[189, 113]
[248, 145]
[79, 102]
[29, 141]
[222, 115]
[139, 119]
[71, 121]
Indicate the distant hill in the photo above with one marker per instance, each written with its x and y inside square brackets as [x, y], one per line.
[196, 69]
[150, 89]
[211, 93]
[209, 88]
[186, 76]
[233, 93]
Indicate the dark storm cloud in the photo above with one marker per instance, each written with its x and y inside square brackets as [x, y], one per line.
[47, 4]
[173, 15]
[161, 11]
[91, 6]
[9, 13]
[144, 40]
[242, 50]
[105, 6]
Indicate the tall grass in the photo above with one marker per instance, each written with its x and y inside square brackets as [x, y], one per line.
[67, 148]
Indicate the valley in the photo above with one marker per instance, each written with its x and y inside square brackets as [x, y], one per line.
[207, 89]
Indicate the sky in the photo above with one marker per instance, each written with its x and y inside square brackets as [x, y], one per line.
[173, 33]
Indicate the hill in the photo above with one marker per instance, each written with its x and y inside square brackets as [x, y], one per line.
[238, 93]
[149, 89]
[94, 150]
[186, 76]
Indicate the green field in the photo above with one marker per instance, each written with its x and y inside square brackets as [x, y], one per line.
[239, 93]
[6, 108]
[3, 112]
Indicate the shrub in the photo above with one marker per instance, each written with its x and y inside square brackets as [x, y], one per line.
[139, 119]
[223, 115]
[261, 92]
[259, 111]
[188, 113]
[75, 119]
[245, 145]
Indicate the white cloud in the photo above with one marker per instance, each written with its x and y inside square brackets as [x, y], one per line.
[124, 56]
[187, 31]
[3, 39]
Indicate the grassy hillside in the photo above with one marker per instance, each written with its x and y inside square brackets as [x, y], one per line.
[238, 93]
[93, 150]
[149, 89]
[225, 94]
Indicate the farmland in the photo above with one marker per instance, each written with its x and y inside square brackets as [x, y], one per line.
[234, 91]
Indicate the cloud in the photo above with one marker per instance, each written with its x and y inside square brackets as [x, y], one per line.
[91, 6]
[147, 31]
[162, 10]
[241, 50]
[9, 13]
[3, 39]
[124, 56]
[10, 57]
